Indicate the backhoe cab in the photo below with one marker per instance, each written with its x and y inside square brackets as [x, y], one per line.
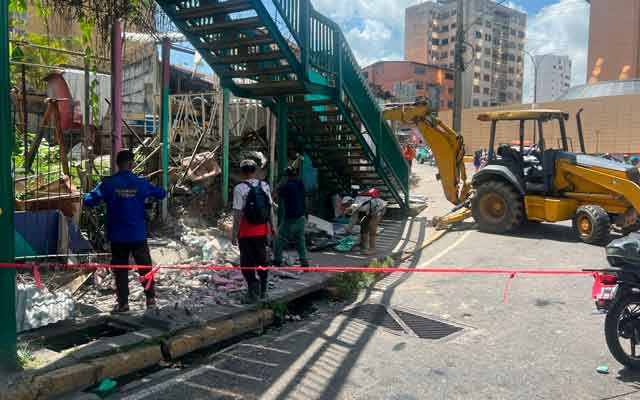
[543, 183]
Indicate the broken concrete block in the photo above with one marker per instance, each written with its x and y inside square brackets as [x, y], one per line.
[38, 307]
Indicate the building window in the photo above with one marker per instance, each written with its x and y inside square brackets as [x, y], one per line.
[436, 42]
[419, 86]
[478, 35]
[450, 104]
[476, 103]
[453, 26]
[420, 70]
[487, 24]
[487, 37]
[444, 42]
[476, 89]
[448, 76]
[510, 83]
[513, 32]
[485, 90]
[485, 104]
[445, 28]
[487, 78]
[451, 91]
[511, 70]
[521, 34]
[487, 64]
[487, 51]
[366, 74]
[519, 59]
[476, 75]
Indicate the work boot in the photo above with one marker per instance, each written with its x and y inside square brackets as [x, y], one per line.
[151, 303]
[263, 288]
[253, 291]
[120, 308]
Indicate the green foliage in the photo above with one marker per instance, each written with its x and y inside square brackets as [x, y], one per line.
[25, 355]
[279, 311]
[349, 283]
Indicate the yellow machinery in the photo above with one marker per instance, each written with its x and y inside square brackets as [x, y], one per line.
[530, 183]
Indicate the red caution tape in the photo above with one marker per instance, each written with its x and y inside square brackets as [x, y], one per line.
[307, 269]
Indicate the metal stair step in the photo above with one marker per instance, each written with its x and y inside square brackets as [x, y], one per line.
[261, 72]
[236, 24]
[278, 88]
[248, 58]
[210, 10]
[237, 43]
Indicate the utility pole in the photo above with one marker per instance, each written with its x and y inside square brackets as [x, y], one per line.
[459, 63]
[7, 275]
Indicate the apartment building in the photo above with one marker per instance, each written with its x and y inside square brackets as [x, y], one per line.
[553, 78]
[493, 51]
[407, 81]
[614, 40]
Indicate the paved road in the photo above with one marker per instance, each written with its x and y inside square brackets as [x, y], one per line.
[544, 343]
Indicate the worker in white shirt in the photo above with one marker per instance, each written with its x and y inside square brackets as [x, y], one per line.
[367, 213]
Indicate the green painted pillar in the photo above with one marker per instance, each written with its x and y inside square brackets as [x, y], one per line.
[226, 95]
[7, 276]
[282, 137]
[165, 120]
[305, 36]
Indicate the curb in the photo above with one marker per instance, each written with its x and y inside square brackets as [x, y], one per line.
[198, 338]
[88, 373]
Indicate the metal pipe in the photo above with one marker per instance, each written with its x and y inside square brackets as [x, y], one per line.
[165, 113]
[8, 335]
[116, 90]
[65, 51]
[583, 148]
[226, 95]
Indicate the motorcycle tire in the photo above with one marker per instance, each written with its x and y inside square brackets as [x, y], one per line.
[611, 331]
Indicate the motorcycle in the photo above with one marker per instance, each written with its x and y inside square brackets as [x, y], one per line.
[616, 291]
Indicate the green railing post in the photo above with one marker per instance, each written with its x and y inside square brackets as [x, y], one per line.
[165, 118]
[225, 146]
[305, 36]
[337, 42]
[7, 275]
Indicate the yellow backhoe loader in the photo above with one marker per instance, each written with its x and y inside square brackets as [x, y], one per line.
[529, 183]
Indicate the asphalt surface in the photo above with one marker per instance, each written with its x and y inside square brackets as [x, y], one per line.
[545, 342]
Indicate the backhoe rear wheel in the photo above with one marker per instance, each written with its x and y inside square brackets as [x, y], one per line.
[592, 224]
[497, 207]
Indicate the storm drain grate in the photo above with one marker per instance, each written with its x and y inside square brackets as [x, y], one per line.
[427, 328]
[402, 321]
[375, 314]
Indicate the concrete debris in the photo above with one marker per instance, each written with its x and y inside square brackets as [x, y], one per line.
[38, 307]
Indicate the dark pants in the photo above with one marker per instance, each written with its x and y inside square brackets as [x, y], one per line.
[253, 253]
[120, 253]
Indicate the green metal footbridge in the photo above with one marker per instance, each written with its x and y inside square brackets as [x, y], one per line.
[298, 63]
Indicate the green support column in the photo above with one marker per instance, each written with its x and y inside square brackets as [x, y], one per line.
[165, 118]
[305, 36]
[7, 276]
[282, 137]
[225, 146]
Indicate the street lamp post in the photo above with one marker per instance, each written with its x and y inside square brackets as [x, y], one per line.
[536, 65]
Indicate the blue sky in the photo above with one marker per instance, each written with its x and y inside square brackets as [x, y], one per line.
[375, 29]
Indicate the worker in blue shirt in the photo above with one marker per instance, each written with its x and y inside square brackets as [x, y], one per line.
[292, 227]
[125, 195]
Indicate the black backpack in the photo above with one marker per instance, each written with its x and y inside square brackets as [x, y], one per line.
[257, 209]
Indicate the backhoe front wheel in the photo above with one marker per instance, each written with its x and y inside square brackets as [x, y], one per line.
[592, 224]
[497, 207]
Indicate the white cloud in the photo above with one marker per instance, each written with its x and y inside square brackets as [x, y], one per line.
[563, 29]
[374, 28]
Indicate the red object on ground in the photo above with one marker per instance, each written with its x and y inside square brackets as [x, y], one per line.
[373, 193]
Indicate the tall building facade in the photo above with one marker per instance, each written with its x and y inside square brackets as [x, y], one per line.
[553, 77]
[407, 81]
[495, 38]
[614, 40]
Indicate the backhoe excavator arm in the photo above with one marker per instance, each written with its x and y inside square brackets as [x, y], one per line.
[447, 147]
